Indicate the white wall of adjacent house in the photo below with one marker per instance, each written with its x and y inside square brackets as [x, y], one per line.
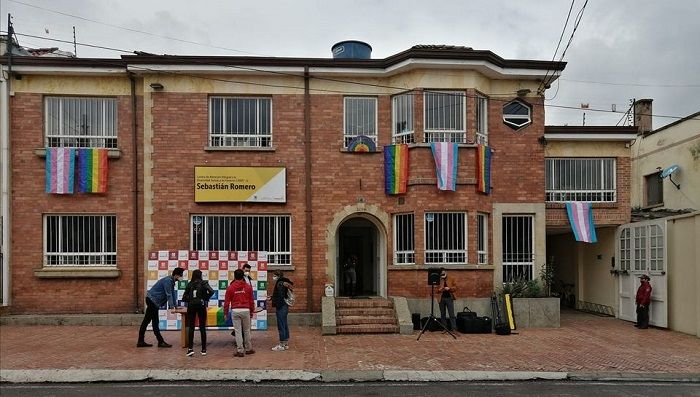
[684, 273]
[677, 144]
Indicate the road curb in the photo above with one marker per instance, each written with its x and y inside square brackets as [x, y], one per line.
[634, 376]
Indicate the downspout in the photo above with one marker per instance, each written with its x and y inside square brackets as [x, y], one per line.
[5, 199]
[307, 190]
[135, 190]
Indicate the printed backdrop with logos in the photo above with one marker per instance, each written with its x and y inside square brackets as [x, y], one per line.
[217, 267]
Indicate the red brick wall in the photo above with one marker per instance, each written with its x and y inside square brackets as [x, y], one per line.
[31, 294]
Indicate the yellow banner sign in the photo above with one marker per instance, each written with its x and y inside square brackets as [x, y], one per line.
[240, 184]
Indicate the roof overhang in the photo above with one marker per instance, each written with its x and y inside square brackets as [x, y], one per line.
[589, 137]
[68, 70]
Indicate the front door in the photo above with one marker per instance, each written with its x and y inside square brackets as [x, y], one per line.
[357, 237]
[641, 248]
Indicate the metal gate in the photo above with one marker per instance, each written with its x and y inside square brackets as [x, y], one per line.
[518, 247]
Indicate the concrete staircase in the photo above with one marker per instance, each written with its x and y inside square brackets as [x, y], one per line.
[365, 316]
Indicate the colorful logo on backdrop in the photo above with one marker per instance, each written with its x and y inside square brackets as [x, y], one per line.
[217, 267]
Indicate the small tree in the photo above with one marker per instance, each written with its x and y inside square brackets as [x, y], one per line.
[547, 276]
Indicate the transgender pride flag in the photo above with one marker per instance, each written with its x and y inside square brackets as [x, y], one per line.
[60, 170]
[581, 219]
[445, 155]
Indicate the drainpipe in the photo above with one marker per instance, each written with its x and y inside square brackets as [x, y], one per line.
[5, 75]
[307, 188]
[135, 190]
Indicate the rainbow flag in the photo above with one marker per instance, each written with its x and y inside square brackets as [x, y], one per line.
[60, 170]
[395, 169]
[581, 220]
[483, 169]
[445, 155]
[92, 170]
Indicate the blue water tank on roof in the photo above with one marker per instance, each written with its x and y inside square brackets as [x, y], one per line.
[351, 49]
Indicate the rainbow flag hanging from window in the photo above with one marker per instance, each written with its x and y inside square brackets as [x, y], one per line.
[581, 219]
[60, 170]
[483, 169]
[92, 170]
[445, 156]
[395, 169]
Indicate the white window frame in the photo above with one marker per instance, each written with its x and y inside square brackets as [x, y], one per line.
[446, 255]
[456, 134]
[482, 119]
[625, 249]
[254, 138]
[519, 262]
[482, 238]
[527, 118]
[250, 237]
[98, 127]
[583, 190]
[641, 247]
[406, 256]
[77, 256]
[402, 106]
[349, 135]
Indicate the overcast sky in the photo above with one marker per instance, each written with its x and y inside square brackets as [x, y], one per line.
[622, 49]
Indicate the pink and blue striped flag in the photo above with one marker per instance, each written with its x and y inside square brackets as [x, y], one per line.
[60, 170]
[445, 155]
[581, 219]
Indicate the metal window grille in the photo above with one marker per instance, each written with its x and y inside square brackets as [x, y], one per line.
[360, 118]
[271, 233]
[656, 248]
[80, 240]
[655, 189]
[580, 179]
[445, 238]
[240, 122]
[516, 114]
[640, 248]
[402, 115]
[482, 237]
[518, 247]
[80, 122]
[625, 249]
[482, 120]
[404, 244]
[444, 116]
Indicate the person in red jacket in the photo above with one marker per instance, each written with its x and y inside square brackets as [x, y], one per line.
[643, 301]
[239, 298]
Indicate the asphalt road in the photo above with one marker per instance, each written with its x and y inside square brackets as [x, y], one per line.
[486, 389]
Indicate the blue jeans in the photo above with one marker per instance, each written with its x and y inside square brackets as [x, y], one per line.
[282, 325]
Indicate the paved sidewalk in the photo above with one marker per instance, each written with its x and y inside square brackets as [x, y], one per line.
[585, 347]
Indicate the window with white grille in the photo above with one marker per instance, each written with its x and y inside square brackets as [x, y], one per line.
[271, 233]
[656, 248]
[445, 238]
[444, 116]
[80, 122]
[580, 179]
[641, 248]
[482, 238]
[625, 249]
[404, 247]
[482, 120]
[402, 117]
[80, 240]
[240, 122]
[360, 118]
[518, 247]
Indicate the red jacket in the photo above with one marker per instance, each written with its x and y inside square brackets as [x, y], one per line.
[239, 295]
[644, 294]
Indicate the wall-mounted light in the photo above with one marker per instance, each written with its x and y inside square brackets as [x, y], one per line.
[157, 86]
[542, 140]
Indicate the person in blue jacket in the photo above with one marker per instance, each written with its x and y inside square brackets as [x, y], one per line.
[162, 293]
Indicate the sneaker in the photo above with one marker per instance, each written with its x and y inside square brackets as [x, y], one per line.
[251, 351]
[190, 352]
[164, 344]
[143, 344]
[239, 354]
[204, 352]
[279, 348]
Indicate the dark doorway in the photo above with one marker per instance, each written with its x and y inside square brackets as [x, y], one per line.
[358, 237]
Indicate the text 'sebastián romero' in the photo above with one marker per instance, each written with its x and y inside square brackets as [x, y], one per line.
[224, 186]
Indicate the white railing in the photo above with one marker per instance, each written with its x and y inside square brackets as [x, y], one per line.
[402, 118]
[445, 238]
[240, 122]
[518, 247]
[80, 122]
[80, 240]
[482, 239]
[580, 179]
[404, 241]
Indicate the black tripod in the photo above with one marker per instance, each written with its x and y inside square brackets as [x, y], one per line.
[432, 318]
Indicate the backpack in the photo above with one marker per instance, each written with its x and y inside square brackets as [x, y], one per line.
[199, 292]
[290, 299]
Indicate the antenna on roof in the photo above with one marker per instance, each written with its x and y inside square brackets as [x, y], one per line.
[668, 171]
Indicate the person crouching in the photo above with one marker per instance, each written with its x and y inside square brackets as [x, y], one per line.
[239, 298]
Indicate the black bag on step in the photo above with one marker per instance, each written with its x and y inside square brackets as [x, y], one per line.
[466, 313]
[502, 329]
[474, 325]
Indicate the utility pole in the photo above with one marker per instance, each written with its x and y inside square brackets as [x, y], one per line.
[5, 249]
[75, 47]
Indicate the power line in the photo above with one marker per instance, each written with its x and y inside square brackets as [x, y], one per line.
[71, 42]
[633, 84]
[577, 21]
[558, 44]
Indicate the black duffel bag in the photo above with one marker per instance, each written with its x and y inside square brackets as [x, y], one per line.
[474, 325]
[467, 313]
[502, 329]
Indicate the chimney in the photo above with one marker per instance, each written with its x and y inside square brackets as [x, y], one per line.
[642, 115]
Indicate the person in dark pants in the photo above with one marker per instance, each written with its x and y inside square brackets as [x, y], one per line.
[447, 299]
[643, 301]
[197, 294]
[162, 293]
[282, 284]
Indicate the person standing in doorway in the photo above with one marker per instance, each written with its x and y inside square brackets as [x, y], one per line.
[447, 298]
[162, 293]
[643, 301]
[282, 284]
[197, 294]
[350, 275]
[239, 298]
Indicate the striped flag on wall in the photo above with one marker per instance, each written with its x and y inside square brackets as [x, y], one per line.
[395, 169]
[581, 219]
[60, 169]
[483, 169]
[445, 155]
[92, 170]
